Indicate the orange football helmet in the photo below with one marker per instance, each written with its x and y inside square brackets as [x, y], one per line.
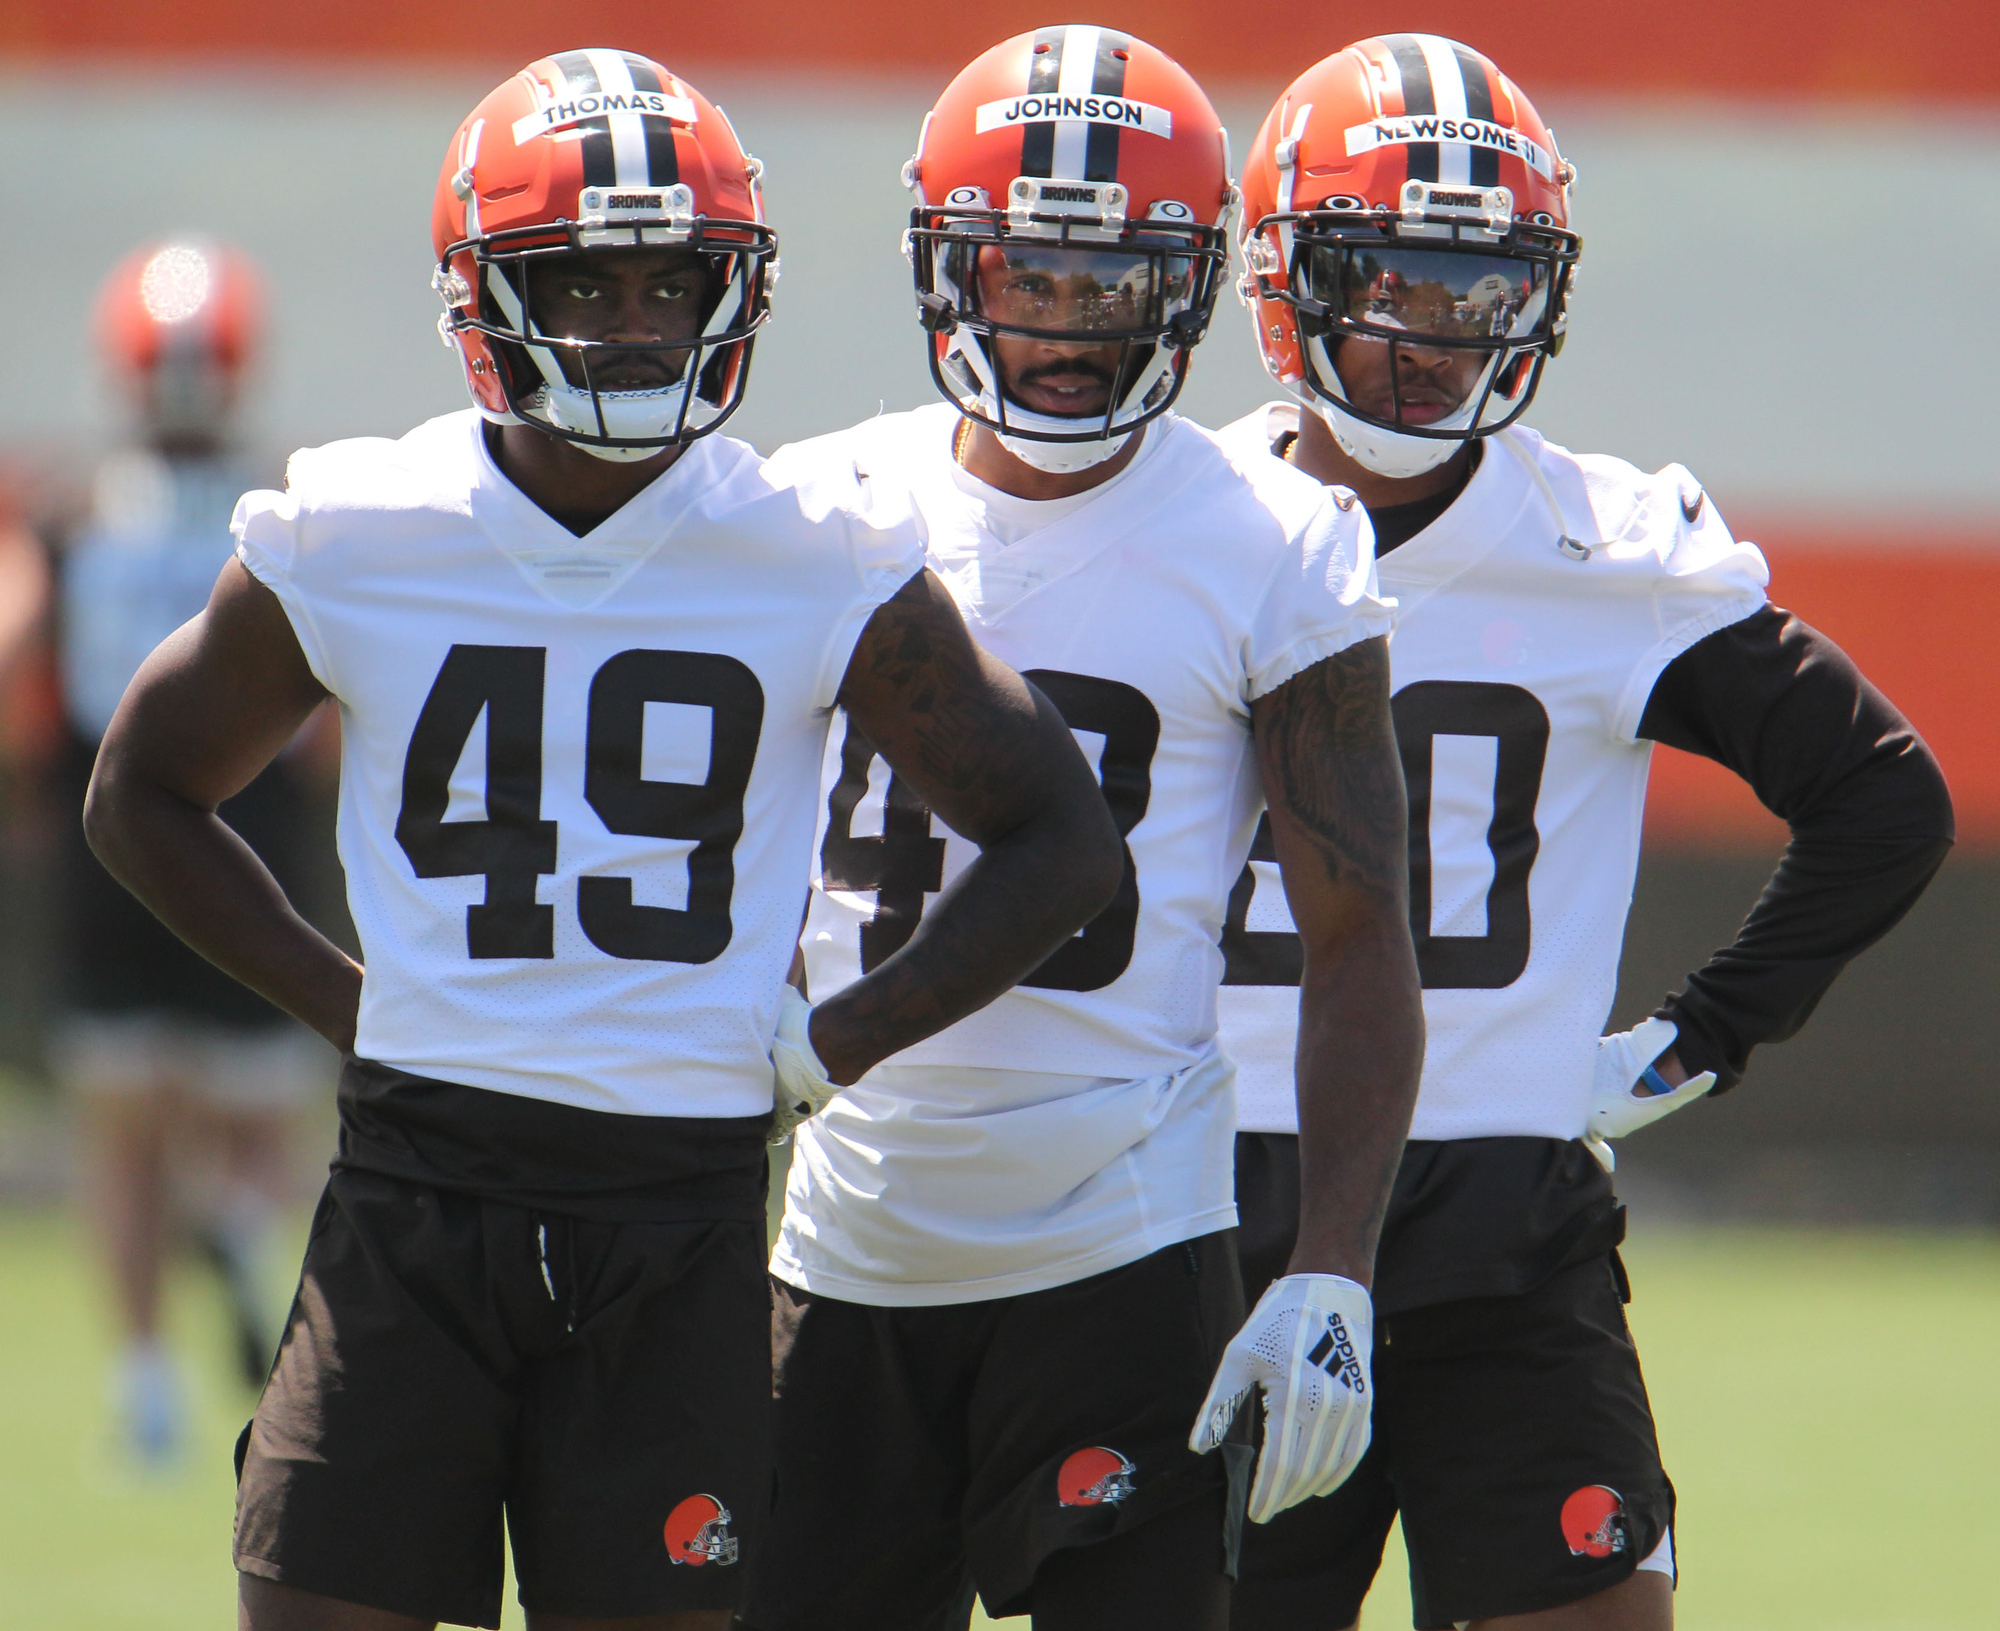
[1404, 191]
[586, 152]
[1072, 185]
[179, 323]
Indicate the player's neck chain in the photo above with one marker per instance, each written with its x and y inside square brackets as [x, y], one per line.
[961, 439]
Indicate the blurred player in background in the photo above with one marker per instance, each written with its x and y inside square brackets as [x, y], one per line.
[586, 655]
[1006, 1287]
[1407, 232]
[179, 1071]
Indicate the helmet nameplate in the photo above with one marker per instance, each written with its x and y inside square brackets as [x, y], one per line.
[1061, 208]
[1434, 209]
[605, 216]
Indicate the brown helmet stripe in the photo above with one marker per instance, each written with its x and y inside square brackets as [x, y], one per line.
[1038, 141]
[1418, 98]
[1100, 153]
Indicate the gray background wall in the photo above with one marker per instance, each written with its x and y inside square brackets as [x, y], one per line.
[1799, 307]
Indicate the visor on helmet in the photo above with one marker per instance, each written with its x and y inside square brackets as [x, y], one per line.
[1452, 329]
[1138, 302]
[1037, 289]
[1433, 294]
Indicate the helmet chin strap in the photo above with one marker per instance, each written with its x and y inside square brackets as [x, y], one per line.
[646, 413]
[618, 455]
[1053, 458]
[1064, 458]
[1386, 452]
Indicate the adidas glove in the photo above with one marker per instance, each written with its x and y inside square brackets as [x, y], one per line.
[1628, 1093]
[803, 1089]
[1307, 1344]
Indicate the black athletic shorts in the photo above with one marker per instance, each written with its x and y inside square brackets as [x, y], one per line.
[449, 1357]
[923, 1452]
[1512, 1433]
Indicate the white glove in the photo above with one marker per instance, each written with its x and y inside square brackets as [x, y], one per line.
[803, 1088]
[1628, 1093]
[1308, 1345]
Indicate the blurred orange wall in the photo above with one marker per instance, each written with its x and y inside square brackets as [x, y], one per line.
[1922, 618]
[1918, 49]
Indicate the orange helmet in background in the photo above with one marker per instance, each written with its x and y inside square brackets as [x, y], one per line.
[1405, 191]
[1097, 158]
[587, 151]
[180, 322]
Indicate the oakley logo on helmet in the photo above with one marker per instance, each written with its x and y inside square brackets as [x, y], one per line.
[1334, 1354]
[1094, 1477]
[1091, 110]
[1593, 1522]
[697, 1533]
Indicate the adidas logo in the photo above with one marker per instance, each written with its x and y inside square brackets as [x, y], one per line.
[1334, 1354]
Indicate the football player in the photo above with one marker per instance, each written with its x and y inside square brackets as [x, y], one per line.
[166, 1055]
[1410, 250]
[1005, 1280]
[585, 654]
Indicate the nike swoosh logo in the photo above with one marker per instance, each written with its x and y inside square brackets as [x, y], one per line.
[1692, 512]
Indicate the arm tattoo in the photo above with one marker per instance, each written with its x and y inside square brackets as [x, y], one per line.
[993, 759]
[1327, 751]
[945, 721]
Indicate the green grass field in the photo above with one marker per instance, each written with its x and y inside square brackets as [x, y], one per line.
[1826, 1402]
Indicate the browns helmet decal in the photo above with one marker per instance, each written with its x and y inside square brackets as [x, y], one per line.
[1593, 1521]
[697, 1533]
[1096, 1476]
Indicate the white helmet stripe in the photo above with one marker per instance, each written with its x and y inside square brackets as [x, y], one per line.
[628, 130]
[1448, 90]
[1078, 78]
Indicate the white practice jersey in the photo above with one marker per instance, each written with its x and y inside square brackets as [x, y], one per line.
[578, 775]
[1520, 675]
[141, 566]
[1083, 1119]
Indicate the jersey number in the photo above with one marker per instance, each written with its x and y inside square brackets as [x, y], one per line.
[906, 863]
[1423, 712]
[513, 846]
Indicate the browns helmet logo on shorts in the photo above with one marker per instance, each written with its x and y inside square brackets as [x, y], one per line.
[698, 1532]
[1094, 1477]
[1593, 1522]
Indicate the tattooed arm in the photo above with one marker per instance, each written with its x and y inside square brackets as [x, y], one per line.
[1326, 751]
[994, 761]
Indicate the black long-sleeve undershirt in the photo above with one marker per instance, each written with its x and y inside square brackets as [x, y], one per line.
[1782, 706]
